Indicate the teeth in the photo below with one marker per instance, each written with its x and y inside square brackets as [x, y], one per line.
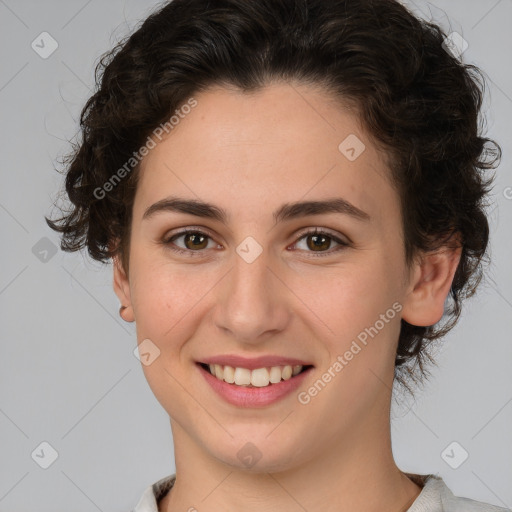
[242, 376]
[296, 369]
[219, 373]
[229, 374]
[287, 372]
[259, 377]
[275, 374]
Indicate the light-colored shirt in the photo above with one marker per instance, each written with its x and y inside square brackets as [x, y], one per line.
[434, 497]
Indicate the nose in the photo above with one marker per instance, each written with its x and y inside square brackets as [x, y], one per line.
[252, 303]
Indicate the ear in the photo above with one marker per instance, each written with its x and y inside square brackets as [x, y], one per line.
[430, 285]
[121, 285]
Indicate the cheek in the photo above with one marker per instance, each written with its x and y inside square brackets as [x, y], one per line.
[166, 304]
[164, 297]
[359, 324]
[345, 299]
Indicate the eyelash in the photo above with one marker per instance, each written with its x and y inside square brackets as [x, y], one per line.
[168, 242]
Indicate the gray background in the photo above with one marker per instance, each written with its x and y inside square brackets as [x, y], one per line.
[67, 369]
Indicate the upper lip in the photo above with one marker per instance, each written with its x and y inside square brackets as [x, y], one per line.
[254, 362]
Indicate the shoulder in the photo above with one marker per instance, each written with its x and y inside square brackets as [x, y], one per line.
[154, 493]
[437, 497]
[434, 497]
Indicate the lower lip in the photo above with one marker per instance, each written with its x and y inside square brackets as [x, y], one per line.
[254, 397]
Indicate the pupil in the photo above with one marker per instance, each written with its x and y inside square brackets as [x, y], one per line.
[194, 238]
[317, 244]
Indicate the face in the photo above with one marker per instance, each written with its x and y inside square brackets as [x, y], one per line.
[250, 285]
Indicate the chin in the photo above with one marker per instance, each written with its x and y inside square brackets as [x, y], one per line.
[260, 453]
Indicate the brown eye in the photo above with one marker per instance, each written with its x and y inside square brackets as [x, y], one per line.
[194, 242]
[319, 242]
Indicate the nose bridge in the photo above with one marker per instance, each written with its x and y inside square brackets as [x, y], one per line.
[251, 302]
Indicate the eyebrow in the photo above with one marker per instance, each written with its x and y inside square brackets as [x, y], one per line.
[287, 211]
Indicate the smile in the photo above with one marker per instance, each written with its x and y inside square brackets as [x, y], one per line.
[259, 377]
[242, 392]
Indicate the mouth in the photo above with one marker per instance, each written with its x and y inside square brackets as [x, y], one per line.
[255, 378]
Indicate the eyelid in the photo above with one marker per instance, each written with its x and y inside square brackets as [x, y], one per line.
[312, 230]
[188, 229]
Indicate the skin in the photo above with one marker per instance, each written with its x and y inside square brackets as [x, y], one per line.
[249, 154]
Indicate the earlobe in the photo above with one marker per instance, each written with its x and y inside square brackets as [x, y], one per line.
[122, 290]
[430, 285]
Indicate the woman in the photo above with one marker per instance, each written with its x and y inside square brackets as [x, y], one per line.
[290, 191]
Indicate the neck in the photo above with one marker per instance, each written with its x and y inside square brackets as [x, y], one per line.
[357, 473]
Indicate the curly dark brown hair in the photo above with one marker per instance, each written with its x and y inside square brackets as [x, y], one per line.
[416, 100]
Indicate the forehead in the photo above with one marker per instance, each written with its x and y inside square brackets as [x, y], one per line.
[249, 151]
